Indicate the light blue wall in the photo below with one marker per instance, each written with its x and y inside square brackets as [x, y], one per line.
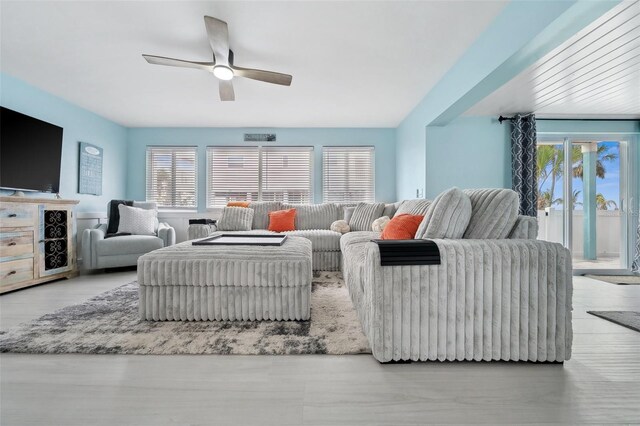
[521, 34]
[78, 125]
[469, 152]
[381, 139]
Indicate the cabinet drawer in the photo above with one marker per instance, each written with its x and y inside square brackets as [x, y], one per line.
[16, 271]
[16, 244]
[14, 215]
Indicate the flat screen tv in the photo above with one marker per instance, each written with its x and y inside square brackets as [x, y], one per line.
[30, 153]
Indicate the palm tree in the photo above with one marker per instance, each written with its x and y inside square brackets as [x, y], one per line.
[549, 161]
[545, 200]
[574, 199]
[603, 155]
[603, 204]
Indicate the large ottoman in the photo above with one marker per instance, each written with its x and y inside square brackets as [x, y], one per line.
[206, 283]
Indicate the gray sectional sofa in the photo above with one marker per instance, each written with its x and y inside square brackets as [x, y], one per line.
[497, 294]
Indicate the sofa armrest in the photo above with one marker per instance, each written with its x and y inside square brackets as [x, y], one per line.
[487, 300]
[167, 234]
[90, 238]
[196, 231]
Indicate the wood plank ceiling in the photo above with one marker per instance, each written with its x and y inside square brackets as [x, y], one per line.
[596, 73]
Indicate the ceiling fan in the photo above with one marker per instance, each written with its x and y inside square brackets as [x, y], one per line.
[222, 66]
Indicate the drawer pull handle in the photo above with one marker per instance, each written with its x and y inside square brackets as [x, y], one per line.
[12, 215]
[11, 273]
[12, 243]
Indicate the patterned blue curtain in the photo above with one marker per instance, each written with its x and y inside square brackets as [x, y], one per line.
[523, 162]
[635, 267]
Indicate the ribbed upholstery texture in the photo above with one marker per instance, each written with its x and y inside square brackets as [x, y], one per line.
[487, 300]
[418, 206]
[326, 260]
[364, 215]
[315, 216]
[493, 213]
[321, 239]
[447, 217]
[186, 282]
[235, 219]
[526, 227]
[261, 213]
[200, 230]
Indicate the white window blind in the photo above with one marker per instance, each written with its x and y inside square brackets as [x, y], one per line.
[172, 175]
[232, 175]
[259, 174]
[348, 174]
[286, 174]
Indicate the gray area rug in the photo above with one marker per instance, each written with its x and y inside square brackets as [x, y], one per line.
[629, 319]
[109, 324]
[616, 279]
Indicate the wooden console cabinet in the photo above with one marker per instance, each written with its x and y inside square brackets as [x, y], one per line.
[36, 241]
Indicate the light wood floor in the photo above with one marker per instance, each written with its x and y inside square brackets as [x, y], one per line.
[600, 384]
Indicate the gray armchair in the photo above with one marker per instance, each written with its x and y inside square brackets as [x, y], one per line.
[114, 252]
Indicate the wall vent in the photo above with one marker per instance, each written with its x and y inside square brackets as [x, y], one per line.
[259, 137]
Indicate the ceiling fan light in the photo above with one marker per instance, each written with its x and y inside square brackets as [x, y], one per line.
[223, 72]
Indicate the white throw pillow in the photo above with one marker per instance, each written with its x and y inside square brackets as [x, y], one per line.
[340, 226]
[137, 221]
[379, 224]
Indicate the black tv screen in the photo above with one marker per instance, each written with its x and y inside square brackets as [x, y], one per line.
[30, 153]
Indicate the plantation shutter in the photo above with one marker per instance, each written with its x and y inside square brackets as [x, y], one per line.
[286, 174]
[348, 174]
[171, 176]
[232, 175]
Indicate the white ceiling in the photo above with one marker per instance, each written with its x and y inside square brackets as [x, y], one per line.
[354, 64]
[594, 74]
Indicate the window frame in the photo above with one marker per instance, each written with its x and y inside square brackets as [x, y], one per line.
[369, 148]
[173, 149]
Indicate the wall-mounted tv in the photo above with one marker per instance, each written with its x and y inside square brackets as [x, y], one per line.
[30, 153]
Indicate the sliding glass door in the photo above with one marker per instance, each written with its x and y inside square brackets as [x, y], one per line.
[583, 188]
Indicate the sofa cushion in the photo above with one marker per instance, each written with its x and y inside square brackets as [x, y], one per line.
[493, 213]
[417, 206]
[282, 220]
[341, 226]
[389, 210]
[315, 216]
[526, 228]
[380, 223]
[402, 227]
[261, 213]
[348, 212]
[447, 217]
[364, 215]
[235, 219]
[137, 221]
[321, 239]
[238, 203]
[128, 244]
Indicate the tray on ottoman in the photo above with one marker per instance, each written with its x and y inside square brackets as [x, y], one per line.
[186, 282]
[242, 240]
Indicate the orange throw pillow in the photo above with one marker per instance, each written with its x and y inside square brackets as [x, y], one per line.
[402, 227]
[282, 220]
[238, 203]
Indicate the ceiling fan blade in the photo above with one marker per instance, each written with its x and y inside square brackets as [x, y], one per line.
[226, 90]
[261, 75]
[161, 60]
[218, 33]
